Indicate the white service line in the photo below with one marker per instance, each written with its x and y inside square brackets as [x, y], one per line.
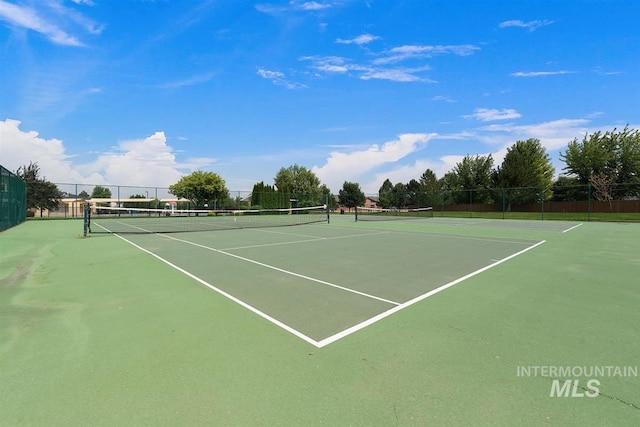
[313, 239]
[575, 226]
[281, 270]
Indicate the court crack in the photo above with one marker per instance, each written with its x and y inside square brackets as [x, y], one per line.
[631, 404]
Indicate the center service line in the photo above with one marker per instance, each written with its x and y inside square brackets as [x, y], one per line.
[353, 291]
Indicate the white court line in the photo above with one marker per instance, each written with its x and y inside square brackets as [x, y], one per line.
[229, 296]
[339, 335]
[395, 309]
[313, 239]
[492, 224]
[463, 237]
[575, 226]
[281, 270]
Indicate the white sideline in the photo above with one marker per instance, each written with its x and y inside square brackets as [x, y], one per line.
[333, 338]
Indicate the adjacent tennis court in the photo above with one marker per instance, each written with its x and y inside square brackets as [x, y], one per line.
[426, 320]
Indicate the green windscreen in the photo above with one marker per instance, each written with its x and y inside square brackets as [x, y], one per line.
[13, 199]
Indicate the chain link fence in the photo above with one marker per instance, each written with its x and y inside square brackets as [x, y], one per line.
[13, 199]
[614, 202]
[73, 197]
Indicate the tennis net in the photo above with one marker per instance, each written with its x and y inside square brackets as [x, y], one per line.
[99, 219]
[380, 214]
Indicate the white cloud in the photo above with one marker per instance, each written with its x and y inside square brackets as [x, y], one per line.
[531, 25]
[379, 68]
[541, 73]
[190, 81]
[293, 5]
[331, 64]
[278, 78]
[51, 19]
[145, 162]
[151, 161]
[396, 75]
[553, 135]
[18, 148]
[270, 9]
[148, 161]
[406, 52]
[361, 39]
[443, 99]
[349, 166]
[489, 115]
[26, 17]
[339, 65]
[310, 5]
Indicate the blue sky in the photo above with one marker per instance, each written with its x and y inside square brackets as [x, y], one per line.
[141, 92]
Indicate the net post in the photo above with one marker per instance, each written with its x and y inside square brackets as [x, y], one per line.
[589, 202]
[326, 204]
[356, 213]
[86, 219]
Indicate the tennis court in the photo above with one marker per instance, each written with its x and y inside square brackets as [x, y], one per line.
[323, 282]
[427, 320]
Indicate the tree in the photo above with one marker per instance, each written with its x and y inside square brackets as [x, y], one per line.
[385, 194]
[100, 193]
[415, 193]
[568, 189]
[351, 195]
[450, 189]
[470, 181]
[84, 195]
[265, 196]
[429, 181]
[431, 186]
[602, 188]
[526, 171]
[326, 195]
[299, 183]
[614, 154]
[400, 195]
[41, 194]
[201, 188]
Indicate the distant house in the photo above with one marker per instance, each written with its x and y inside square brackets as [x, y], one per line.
[369, 202]
[70, 206]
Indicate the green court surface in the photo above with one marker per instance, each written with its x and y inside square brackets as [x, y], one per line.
[439, 321]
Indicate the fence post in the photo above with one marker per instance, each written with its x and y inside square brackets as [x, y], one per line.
[589, 202]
